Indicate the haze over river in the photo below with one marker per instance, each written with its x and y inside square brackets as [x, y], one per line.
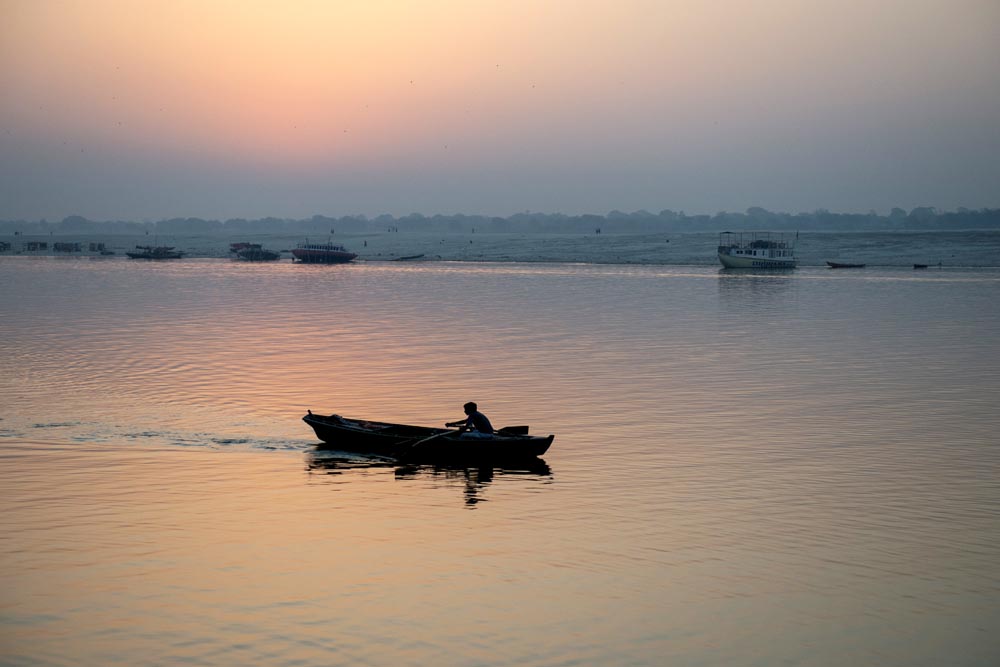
[793, 468]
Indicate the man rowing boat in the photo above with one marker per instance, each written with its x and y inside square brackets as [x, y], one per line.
[475, 421]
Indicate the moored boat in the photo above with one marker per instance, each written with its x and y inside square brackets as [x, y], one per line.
[424, 443]
[322, 253]
[254, 252]
[154, 252]
[840, 265]
[757, 250]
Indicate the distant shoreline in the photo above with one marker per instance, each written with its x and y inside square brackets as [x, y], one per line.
[966, 248]
[922, 218]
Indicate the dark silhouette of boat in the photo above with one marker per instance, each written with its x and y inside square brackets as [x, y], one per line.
[154, 252]
[841, 265]
[322, 253]
[424, 443]
[253, 252]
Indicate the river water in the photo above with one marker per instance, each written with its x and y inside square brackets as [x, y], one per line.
[749, 469]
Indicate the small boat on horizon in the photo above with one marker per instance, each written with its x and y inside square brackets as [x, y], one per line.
[253, 252]
[154, 252]
[425, 443]
[757, 250]
[840, 265]
[322, 253]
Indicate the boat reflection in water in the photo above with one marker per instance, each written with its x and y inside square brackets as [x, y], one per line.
[744, 284]
[475, 479]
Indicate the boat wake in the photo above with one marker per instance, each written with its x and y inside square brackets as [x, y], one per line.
[82, 432]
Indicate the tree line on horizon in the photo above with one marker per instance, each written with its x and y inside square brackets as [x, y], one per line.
[754, 218]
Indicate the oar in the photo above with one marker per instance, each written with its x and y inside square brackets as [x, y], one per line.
[410, 446]
[413, 444]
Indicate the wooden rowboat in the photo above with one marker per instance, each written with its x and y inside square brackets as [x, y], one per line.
[425, 443]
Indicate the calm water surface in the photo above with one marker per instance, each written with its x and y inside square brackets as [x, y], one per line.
[749, 469]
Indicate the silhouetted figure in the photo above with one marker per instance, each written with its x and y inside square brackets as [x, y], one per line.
[475, 421]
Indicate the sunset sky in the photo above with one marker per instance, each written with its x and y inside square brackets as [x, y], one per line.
[115, 109]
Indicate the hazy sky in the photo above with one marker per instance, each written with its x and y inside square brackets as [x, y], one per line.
[146, 109]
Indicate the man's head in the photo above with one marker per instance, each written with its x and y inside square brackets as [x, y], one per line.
[470, 407]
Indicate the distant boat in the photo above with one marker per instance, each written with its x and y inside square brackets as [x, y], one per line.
[920, 266]
[757, 250]
[155, 252]
[322, 253]
[839, 265]
[408, 257]
[254, 252]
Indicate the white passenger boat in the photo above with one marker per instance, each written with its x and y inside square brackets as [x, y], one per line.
[757, 250]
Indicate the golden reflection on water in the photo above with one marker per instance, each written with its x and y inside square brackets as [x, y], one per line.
[177, 555]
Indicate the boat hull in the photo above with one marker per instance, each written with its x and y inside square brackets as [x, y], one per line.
[734, 262]
[309, 256]
[420, 443]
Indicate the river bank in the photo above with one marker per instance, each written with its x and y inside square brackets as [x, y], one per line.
[953, 249]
